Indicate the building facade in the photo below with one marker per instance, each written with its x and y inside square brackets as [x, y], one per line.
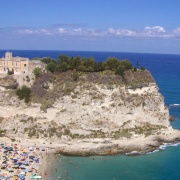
[18, 65]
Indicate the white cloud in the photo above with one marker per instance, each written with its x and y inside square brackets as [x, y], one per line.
[62, 30]
[26, 31]
[45, 31]
[176, 31]
[156, 29]
[147, 32]
[121, 32]
[79, 30]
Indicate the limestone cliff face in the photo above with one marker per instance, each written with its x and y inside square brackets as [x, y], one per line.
[91, 110]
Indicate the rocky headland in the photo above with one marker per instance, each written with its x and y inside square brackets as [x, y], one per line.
[81, 113]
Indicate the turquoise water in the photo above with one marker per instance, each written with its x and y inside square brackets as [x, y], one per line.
[155, 166]
[161, 165]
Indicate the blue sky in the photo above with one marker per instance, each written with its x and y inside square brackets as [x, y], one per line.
[151, 26]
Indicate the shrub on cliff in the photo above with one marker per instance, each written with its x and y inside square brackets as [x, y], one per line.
[75, 76]
[24, 93]
[51, 67]
[142, 68]
[37, 71]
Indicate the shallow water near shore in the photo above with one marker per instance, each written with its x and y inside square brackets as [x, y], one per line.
[163, 164]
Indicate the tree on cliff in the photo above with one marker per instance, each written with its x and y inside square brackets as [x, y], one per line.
[51, 67]
[48, 60]
[37, 71]
[111, 63]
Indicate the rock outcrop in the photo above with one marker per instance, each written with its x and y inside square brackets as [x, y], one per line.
[89, 109]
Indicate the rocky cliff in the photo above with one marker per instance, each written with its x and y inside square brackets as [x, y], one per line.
[92, 106]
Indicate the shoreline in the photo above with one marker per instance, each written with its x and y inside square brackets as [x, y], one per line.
[140, 145]
[107, 146]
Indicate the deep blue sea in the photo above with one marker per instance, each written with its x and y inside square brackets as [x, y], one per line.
[161, 165]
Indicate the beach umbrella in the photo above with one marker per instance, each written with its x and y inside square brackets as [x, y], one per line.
[3, 167]
[15, 160]
[5, 152]
[15, 152]
[23, 171]
[15, 177]
[22, 177]
[2, 177]
[30, 170]
[23, 167]
[10, 170]
[6, 147]
[10, 149]
[20, 163]
[31, 148]
[26, 163]
[23, 159]
[31, 157]
[15, 166]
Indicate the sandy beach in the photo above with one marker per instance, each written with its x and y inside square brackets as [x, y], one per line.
[19, 161]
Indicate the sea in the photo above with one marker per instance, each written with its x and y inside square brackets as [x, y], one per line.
[163, 164]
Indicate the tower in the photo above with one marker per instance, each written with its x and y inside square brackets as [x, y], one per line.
[8, 55]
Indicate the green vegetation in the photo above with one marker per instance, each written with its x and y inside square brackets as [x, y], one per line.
[142, 68]
[24, 93]
[51, 67]
[2, 133]
[75, 76]
[65, 63]
[37, 72]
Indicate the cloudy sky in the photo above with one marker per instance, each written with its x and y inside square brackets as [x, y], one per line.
[150, 26]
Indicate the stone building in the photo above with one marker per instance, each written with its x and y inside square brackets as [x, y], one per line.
[18, 65]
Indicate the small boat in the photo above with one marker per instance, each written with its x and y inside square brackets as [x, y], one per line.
[35, 176]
